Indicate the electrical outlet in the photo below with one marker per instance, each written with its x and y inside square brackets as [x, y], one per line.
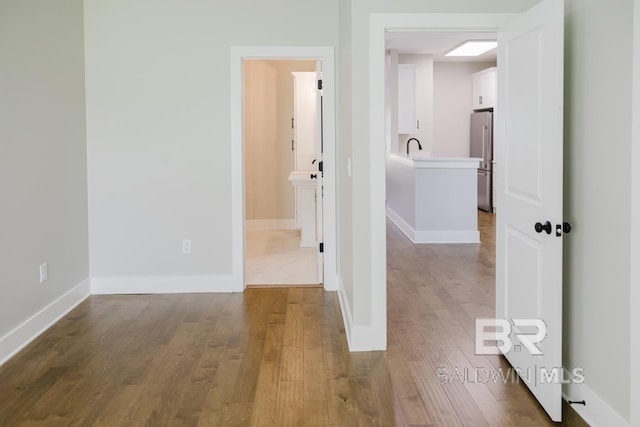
[186, 246]
[44, 272]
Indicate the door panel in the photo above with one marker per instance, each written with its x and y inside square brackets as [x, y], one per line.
[529, 148]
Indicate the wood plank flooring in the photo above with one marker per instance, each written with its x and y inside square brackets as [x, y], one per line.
[274, 357]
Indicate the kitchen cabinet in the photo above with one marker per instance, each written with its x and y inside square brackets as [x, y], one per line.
[485, 88]
[407, 122]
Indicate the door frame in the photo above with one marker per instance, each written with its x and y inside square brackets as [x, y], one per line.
[238, 55]
[379, 23]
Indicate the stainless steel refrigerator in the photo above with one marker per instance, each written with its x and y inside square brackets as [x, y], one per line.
[482, 147]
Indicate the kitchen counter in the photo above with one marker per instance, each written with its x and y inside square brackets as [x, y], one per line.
[433, 199]
[428, 162]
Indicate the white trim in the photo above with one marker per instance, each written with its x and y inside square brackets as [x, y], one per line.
[432, 236]
[30, 329]
[596, 412]
[634, 276]
[163, 285]
[271, 224]
[403, 225]
[347, 317]
[359, 338]
[326, 55]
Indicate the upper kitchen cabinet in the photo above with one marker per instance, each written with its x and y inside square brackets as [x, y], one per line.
[485, 88]
[407, 122]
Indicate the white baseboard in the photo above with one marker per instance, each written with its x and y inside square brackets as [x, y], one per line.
[346, 313]
[165, 285]
[271, 224]
[30, 329]
[401, 223]
[359, 338]
[440, 236]
[596, 412]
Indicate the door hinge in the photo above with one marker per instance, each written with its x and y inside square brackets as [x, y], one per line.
[321, 247]
[319, 84]
[320, 166]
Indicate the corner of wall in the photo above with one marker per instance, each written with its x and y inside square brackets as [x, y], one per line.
[359, 338]
[30, 329]
[596, 411]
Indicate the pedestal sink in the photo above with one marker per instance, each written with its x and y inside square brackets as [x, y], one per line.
[305, 205]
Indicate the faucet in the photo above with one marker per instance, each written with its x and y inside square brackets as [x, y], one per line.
[416, 140]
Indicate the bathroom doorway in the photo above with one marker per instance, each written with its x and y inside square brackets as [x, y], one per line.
[282, 152]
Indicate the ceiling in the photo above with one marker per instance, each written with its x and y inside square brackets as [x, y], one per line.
[437, 43]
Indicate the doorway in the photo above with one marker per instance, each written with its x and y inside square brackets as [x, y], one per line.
[239, 227]
[281, 148]
[538, 30]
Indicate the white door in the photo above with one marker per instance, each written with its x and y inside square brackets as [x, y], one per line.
[530, 132]
[319, 186]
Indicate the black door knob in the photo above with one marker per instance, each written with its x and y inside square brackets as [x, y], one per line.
[546, 227]
[566, 228]
[314, 175]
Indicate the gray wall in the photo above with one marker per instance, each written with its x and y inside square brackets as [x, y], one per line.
[343, 154]
[598, 76]
[43, 183]
[158, 125]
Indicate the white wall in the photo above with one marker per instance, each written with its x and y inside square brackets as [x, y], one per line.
[268, 109]
[158, 122]
[597, 198]
[43, 183]
[452, 105]
[265, 184]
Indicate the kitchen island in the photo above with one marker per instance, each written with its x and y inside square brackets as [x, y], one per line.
[433, 199]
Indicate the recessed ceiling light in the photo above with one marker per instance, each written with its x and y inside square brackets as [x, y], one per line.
[473, 48]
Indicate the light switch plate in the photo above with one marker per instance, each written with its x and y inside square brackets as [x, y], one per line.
[44, 272]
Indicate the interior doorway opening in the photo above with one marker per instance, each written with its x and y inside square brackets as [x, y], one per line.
[282, 181]
[530, 60]
[238, 56]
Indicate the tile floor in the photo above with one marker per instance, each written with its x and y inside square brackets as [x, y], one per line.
[274, 257]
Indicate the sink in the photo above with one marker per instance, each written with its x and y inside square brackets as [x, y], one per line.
[301, 177]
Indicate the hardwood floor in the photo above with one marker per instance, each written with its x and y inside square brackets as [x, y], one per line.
[273, 357]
